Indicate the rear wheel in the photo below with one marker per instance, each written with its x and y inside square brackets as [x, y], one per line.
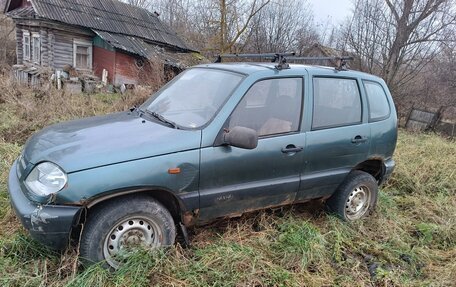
[355, 198]
[121, 225]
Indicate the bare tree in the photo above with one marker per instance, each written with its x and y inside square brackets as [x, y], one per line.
[146, 4]
[283, 25]
[235, 17]
[177, 14]
[212, 26]
[7, 38]
[397, 39]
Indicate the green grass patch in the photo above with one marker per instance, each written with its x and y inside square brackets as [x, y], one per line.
[409, 241]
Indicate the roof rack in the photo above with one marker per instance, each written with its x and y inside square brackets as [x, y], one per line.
[282, 58]
[341, 62]
[274, 57]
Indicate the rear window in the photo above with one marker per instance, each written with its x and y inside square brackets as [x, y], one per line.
[337, 102]
[378, 102]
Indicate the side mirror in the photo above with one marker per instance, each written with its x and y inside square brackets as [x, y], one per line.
[241, 137]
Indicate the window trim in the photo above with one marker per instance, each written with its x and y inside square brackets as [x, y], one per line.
[26, 57]
[35, 35]
[378, 119]
[301, 113]
[313, 103]
[85, 44]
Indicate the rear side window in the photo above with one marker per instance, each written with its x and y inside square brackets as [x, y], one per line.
[337, 102]
[377, 100]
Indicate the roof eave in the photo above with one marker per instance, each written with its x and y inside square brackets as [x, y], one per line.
[5, 9]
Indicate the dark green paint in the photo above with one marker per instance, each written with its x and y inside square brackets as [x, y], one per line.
[122, 152]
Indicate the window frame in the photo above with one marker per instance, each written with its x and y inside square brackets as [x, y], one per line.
[37, 59]
[372, 120]
[313, 102]
[301, 113]
[86, 44]
[26, 56]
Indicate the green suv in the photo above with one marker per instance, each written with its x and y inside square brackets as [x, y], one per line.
[217, 141]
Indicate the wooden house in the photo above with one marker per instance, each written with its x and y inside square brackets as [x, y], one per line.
[104, 38]
[318, 50]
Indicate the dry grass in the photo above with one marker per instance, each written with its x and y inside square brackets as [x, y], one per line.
[409, 241]
[25, 111]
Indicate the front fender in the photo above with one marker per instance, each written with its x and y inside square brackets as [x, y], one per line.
[94, 184]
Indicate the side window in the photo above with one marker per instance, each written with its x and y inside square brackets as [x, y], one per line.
[270, 107]
[36, 48]
[26, 44]
[337, 102]
[256, 98]
[377, 100]
[82, 54]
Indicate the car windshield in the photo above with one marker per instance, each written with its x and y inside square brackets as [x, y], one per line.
[192, 98]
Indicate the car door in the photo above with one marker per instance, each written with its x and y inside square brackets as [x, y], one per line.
[235, 180]
[338, 138]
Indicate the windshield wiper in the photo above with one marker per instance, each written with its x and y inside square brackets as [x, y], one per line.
[162, 119]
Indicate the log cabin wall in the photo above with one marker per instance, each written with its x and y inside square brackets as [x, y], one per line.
[127, 37]
[56, 47]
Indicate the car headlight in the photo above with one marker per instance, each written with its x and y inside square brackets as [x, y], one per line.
[46, 178]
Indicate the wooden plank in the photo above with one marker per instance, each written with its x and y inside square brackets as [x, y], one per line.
[416, 126]
[44, 48]
[63, 49]
[51, 40]
[422, 116]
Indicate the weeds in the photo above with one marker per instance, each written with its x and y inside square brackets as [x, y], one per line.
[25, 111]
[409, 241]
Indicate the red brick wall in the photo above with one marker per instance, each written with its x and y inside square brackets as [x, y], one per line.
[122, 68]
[104, 59]
[126, 70]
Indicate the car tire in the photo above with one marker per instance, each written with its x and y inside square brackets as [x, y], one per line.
[121, 223]
[355, 198]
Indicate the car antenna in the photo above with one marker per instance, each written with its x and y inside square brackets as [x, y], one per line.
[279, 58]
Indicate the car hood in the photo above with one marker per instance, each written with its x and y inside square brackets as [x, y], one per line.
[104, 140]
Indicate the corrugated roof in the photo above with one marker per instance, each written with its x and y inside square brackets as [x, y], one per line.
[126, 43]
[110, 16]
[24, 12]
[139, 47]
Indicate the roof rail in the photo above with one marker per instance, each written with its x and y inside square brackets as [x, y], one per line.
[282, 59]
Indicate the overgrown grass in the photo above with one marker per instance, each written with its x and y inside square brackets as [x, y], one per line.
[409, 241]
[24, 111]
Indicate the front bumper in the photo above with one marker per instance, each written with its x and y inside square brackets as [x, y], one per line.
[388, 168]
[49, 224]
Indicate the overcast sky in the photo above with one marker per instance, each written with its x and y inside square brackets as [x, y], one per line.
[334, 10]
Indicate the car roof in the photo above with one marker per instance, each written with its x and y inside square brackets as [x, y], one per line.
[249, 68]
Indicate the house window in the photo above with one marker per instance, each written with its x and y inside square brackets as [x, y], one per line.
[36, 48]
[82, 58]
[26, 44]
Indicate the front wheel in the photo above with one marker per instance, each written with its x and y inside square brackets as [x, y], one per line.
[355, 198]
[119, 225]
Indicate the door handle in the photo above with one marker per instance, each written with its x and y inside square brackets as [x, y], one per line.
[292, 149]
[359, 139]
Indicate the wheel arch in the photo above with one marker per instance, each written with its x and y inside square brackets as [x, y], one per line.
[374, 167]
[167, 198]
